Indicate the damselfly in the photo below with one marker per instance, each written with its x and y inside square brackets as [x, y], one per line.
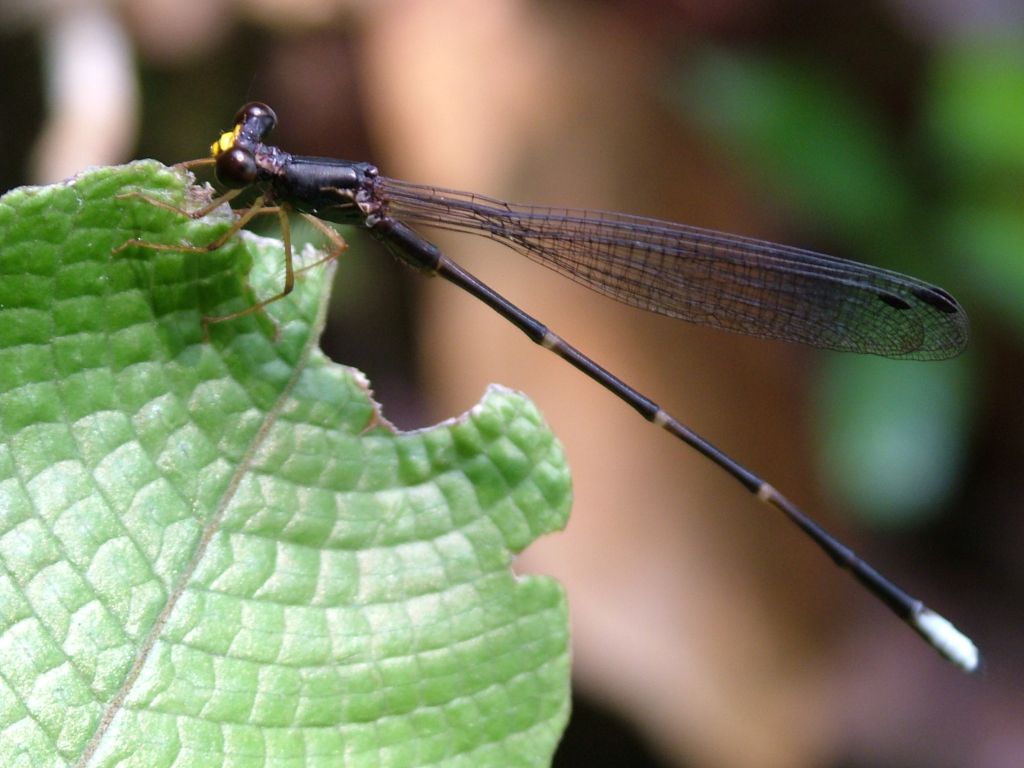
[725, 281]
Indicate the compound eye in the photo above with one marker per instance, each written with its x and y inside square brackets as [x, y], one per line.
[256, 119]
[236, 167]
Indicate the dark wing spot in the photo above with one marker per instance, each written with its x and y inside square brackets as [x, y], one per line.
[939, 299]
[893, 301]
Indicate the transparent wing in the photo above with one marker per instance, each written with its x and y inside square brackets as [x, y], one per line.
[725, 281]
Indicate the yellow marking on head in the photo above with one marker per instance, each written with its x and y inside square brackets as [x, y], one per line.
[225, 142]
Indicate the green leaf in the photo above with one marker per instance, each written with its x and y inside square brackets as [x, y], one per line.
[218, 553]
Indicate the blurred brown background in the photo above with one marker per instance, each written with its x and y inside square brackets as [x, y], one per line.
[707, 632]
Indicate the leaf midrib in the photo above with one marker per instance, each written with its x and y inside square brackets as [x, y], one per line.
[209, 530]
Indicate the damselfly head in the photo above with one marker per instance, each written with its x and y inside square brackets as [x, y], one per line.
[255, 120]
